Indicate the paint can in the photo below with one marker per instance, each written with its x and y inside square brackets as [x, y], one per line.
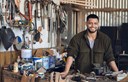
[37, 62]
[45, 61]
[52, 61]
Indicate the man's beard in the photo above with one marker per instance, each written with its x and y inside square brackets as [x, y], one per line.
[92, 31]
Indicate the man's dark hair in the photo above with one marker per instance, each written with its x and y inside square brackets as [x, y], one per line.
[92, 16]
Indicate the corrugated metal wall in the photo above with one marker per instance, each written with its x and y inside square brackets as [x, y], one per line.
[111, 12]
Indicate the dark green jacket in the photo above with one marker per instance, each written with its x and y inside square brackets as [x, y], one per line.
[84, 56]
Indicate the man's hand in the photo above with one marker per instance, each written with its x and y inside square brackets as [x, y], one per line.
[67, 67]
[64, 74]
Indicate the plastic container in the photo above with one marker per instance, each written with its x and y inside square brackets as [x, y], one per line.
[26, 53]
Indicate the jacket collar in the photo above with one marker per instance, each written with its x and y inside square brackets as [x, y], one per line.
[85, 34]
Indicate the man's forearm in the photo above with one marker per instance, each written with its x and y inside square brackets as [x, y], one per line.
[113, 66]
[68, 63]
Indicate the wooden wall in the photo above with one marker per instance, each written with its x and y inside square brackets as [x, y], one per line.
[7, 58]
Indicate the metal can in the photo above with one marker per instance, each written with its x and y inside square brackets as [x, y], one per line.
[45, 61]
[52, 61]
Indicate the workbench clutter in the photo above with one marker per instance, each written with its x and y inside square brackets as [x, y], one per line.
[40, 64]
[47, 65]
[56, 77]
[76, 76]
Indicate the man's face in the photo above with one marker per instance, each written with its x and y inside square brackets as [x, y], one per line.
[92, 25]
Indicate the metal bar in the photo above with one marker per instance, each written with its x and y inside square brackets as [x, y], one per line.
[116, 13]
[120, 12]
[125, 12]
[41, 16]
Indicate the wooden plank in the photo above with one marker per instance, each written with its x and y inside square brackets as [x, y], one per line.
[78, 2]
[10, 57]
[106, 9]
[9, 76]
[124, 80]
[80, 21]
[2, 58]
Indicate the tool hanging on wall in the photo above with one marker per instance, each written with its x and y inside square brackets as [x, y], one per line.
[1, 15]
[41, 14]
[25, 45]
[37, 33]
[54, 23]
[37, 8]
[10, 11]
[39, 30]
[58, 29]
[44, 12]
[27, 16]
[27, 7]
[62, 18]
[2, 3]
[39, 4]
[28, 10]
[28, 13]
[50, 25]
[19, 44]
[7, 35]
[17, 4]
[1, 19]
[61, 22]
[12, 8]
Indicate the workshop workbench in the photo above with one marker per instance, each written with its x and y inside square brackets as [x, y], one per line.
[9, 76]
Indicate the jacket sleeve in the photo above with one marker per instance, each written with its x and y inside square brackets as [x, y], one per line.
[73, 47]
[108, 56]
